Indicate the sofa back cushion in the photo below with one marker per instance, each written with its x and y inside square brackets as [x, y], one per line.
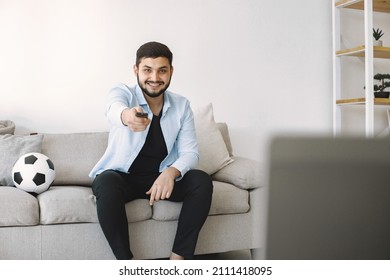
[74, 155]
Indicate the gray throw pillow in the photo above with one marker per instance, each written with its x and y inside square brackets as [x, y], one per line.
[11, 148]
[7, 127]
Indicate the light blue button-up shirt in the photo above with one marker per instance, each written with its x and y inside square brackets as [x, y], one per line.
[177, 125]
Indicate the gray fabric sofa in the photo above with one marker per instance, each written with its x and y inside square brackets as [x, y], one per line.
[61, 223]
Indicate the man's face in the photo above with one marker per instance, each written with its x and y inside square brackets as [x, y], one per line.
[154, 75]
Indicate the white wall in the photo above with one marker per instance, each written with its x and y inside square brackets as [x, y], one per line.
[265, 65]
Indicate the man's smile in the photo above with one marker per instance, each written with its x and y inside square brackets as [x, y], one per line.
[154, 84]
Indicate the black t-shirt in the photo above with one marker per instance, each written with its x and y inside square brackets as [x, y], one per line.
[152, 153]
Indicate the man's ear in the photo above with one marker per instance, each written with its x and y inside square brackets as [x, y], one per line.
[135, 69]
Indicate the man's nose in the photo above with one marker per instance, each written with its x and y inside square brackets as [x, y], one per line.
[154, 76]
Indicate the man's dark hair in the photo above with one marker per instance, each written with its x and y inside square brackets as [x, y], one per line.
[153, 50]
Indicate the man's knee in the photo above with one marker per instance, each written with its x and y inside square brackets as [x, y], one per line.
[105, 181]
[202, 180]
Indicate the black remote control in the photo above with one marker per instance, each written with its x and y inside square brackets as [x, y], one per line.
[141, 115]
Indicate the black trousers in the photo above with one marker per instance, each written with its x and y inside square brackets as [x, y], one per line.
[113, 189]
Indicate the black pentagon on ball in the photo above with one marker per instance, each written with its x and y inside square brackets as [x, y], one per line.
[18, 178]
[50, 164]
[30, 159]
[39, 179]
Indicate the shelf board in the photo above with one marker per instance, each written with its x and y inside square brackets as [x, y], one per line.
[378, 5]
[362, 101]
[379, 52]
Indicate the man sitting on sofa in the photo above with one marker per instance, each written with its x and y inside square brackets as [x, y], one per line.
[151, 154]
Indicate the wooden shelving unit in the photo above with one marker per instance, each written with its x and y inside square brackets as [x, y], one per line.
[362, 101]
[378, 5]
[366, 51]
[379, 52]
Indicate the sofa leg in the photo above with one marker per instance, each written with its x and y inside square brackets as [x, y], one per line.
[257, 254]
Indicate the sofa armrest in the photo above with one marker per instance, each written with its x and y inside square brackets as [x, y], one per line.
[244, 173]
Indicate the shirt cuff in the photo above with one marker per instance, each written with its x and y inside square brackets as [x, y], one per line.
[185, 164]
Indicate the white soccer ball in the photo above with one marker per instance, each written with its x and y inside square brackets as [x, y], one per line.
[33, 172]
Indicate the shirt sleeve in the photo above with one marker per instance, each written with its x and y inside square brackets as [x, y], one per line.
[117, 101]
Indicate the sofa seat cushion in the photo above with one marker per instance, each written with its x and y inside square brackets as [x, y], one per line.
[70, 204]
[227, 199]
[18, 208]
[77, 204]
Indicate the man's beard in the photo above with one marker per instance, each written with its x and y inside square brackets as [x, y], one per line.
[153, 94]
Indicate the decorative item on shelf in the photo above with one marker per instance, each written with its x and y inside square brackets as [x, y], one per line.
[384, 82]
[377, 34]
